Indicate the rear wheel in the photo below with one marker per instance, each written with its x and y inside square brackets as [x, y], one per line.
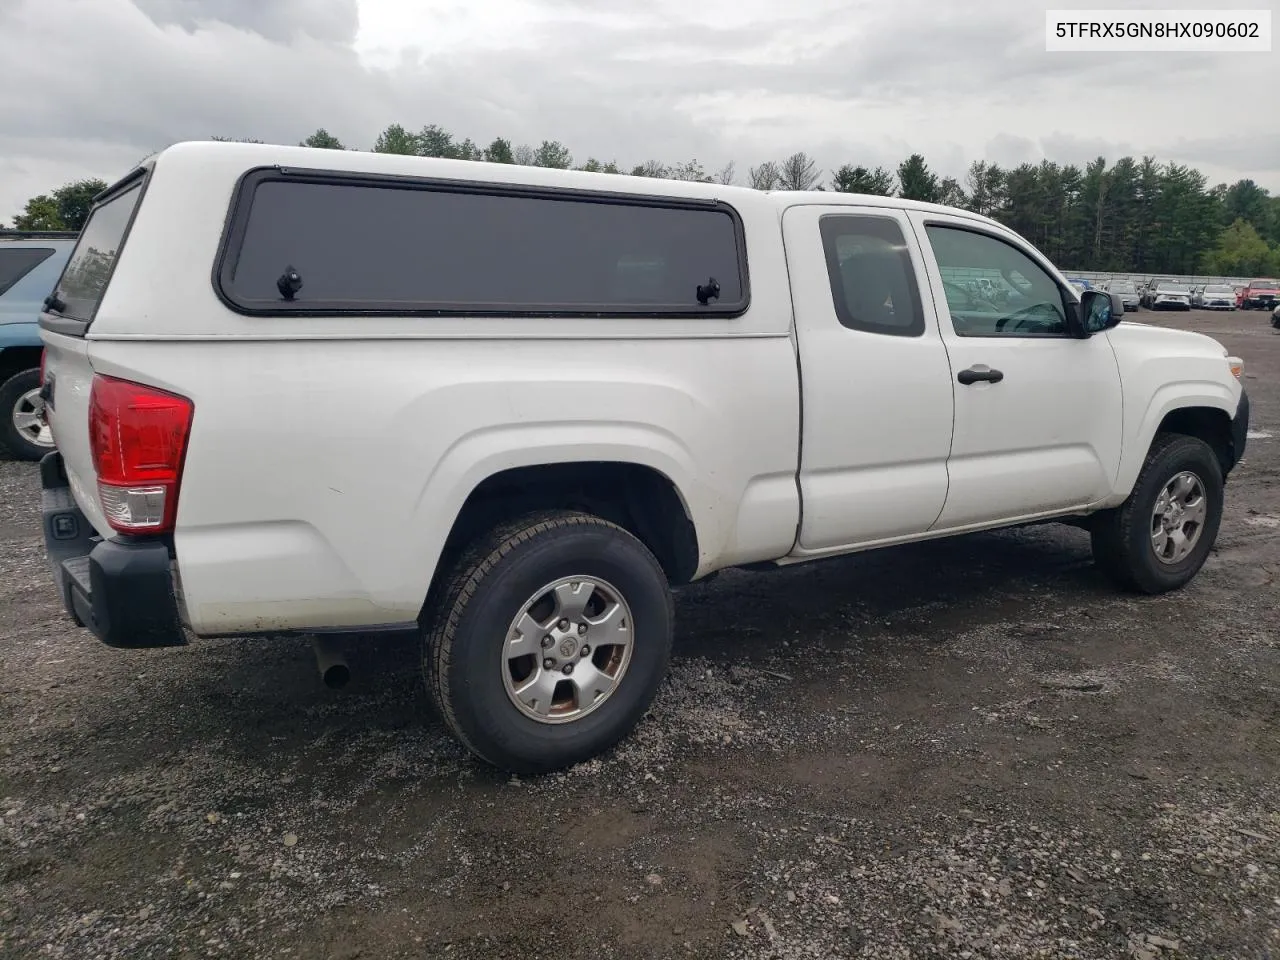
[549, 642]
[1159, 538]
[22, 428]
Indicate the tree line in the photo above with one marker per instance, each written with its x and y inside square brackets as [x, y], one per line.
[1136, 215]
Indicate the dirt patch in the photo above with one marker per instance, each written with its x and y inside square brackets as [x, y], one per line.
[971, 748]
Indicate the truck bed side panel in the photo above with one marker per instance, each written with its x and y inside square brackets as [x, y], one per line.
[322, 477]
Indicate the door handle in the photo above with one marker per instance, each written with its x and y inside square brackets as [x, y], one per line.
[973, 375]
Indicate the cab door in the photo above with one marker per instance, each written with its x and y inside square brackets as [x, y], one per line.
[1038, 412]
[875, 382]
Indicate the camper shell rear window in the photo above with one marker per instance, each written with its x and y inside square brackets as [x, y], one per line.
[324, 243]
[84, 279]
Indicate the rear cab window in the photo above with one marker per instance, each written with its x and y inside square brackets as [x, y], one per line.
[873, 285]
[368, 244]
[84, 279]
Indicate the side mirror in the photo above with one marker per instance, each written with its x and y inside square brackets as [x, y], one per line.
[1100, 310]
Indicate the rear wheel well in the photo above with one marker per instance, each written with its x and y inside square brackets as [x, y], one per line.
[637, 498]
[1211, 425]
[13, 360]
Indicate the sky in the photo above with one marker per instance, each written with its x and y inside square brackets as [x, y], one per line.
[96, 85]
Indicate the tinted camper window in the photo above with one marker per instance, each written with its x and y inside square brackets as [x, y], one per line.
[377, 246]
[84, 279]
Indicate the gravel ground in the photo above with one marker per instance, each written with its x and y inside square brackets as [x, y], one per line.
[971, 748]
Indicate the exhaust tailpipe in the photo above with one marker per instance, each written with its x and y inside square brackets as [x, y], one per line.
[331, 663]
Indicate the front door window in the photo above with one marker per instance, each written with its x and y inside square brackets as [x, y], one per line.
[993, 289]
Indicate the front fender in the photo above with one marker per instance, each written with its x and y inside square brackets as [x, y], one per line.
[1168, 398]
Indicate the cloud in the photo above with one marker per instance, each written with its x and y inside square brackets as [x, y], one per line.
[1080, 150]
[280, 20]
[1009, 150]
[154, 84]
[1259, 152]
[744, 80]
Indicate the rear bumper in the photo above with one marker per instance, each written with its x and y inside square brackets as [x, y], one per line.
[122, 590]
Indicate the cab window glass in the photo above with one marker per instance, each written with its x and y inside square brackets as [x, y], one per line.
[993, 289]
[873, 285]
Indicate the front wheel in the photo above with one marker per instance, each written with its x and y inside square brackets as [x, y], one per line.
[549, 642]
[1159, 538]
[23, 430]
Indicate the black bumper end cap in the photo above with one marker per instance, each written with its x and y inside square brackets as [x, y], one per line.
[130, 603]
[121, 590]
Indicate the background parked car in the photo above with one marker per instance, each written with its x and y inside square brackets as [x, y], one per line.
[1215, 296]
[30, 264]
[1127, 291]
[1148, 293]
[1170, 295]
[1261, 295]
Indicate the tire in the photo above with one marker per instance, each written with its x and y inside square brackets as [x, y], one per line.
[16, 405]
[1122, 538]
[469, 668]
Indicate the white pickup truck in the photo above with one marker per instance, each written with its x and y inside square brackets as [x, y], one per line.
[508, 408]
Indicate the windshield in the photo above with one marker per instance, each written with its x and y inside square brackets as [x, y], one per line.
[1218, 289]
[1264, 284]
[86, 274]
[1122, 288]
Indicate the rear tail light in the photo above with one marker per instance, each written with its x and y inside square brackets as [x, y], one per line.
[138, 438]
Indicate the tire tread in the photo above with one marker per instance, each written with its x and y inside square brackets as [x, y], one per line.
[17, 446]
[476, 562]
[1113, 530]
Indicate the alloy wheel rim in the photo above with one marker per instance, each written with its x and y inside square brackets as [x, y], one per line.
[566, 652]
[28, 419]
[1178, 517]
